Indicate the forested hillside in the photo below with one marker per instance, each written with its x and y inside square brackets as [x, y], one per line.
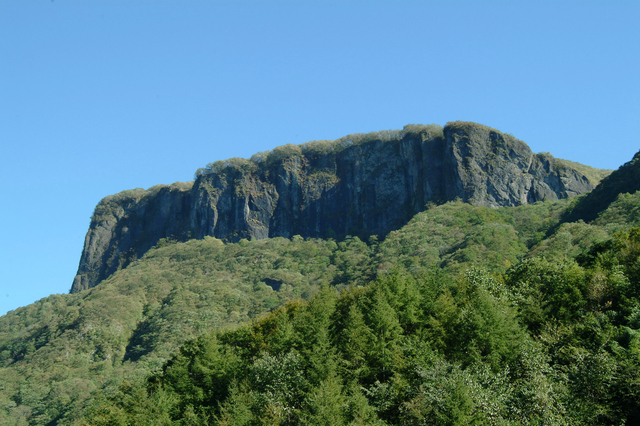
[465, 315]
[67, 346]
[624, 180]
[549, 340]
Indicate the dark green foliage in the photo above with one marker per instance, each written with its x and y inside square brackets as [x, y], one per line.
[353, 261]
[130, 404]
[548, 341]
[544, 290]
[625, 180]
[410, 370]
[202, 372]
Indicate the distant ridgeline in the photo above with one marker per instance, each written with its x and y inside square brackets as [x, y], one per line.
[362, 185]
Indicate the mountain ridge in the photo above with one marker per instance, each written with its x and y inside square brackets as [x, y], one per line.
[357, 185]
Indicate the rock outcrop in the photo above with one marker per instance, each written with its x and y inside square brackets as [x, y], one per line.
[357, 185]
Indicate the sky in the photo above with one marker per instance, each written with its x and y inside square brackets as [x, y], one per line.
[97, 97]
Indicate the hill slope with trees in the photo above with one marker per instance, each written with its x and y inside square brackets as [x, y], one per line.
[466, 314]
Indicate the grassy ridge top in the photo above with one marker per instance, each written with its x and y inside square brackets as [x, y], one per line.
[594, 175]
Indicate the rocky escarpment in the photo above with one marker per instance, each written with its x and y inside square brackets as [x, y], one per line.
[125, 225]
[357, 185]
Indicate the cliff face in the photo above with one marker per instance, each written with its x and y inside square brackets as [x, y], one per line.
[492, 169]
[124, 226]
[359, 184]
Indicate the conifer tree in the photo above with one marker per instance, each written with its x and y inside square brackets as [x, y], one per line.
[355, 340]
[325, 405]
[383, 353]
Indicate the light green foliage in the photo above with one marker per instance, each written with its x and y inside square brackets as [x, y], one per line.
[473, 129]
[446, 394]
[570, 239]
[114, 203]
[280, 153]
[237, 164]
[314, 150]
[360, 138]
[456, 236]
[279, 380]
[623, 213]
[431, 131]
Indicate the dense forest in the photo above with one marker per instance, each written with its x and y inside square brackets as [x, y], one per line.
[465, 315]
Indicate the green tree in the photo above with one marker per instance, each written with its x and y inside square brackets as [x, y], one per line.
[384, 352]
[325, 405]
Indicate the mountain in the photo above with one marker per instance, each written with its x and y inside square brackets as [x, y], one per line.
[357, 185]
[463, 313]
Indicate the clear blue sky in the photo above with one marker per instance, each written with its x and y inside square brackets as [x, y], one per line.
[101, 96]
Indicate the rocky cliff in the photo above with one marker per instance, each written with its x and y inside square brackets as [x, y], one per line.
[358, 185]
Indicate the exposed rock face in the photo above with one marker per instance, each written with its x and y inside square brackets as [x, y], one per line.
[356, 185]
[124, 226]
[492, 169]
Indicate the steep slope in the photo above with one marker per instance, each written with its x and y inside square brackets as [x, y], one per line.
[625, 180]
[54, 353]
[357, 185]
[126, 225]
